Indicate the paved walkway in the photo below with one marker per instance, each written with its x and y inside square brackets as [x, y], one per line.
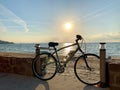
[59, 82]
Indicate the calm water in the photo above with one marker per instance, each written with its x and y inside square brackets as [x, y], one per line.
[112, 49]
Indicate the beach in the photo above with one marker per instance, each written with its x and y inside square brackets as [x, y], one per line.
[20, 55]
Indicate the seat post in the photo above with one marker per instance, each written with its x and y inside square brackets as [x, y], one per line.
[56, 52]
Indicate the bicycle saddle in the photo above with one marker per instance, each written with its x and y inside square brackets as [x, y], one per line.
[53, 44]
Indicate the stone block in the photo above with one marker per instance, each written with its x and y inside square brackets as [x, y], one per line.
[17, 65]
[114, 67]
[114, 75]
[19, 70]
[114, 88]
[4, 59]
[6, 68]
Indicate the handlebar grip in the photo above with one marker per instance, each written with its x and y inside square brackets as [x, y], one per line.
[79, 37]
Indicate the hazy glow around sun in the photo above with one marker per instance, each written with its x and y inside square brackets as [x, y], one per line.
[68, 25]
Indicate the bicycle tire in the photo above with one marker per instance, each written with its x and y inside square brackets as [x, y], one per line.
[83, 73]
[44, 66]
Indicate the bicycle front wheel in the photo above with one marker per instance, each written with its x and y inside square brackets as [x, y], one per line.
[44, 66]
[87, 69]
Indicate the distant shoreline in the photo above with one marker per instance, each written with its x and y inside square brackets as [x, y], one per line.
[5, 42]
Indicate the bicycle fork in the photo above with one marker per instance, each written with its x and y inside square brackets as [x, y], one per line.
[85, 59]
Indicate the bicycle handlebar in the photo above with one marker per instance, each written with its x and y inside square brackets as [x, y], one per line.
[79, 37]
[52, 44]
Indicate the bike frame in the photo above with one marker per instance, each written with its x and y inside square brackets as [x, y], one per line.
[71, 56]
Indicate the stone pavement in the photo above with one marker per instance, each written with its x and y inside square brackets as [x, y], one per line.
[59, 82]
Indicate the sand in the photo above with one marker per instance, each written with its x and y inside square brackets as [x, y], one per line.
[20, 55]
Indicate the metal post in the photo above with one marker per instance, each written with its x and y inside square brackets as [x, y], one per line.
[38, 62]
[37, 50]
[103, 83]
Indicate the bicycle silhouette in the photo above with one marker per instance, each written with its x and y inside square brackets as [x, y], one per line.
[45, 65]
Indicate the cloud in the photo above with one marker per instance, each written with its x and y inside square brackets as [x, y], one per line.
[2, 28]
[7, 16]
[95, 13]
[112, 36]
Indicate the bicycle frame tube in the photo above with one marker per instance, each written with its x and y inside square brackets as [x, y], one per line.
[56, 50]
[64, 48]
[70, 57]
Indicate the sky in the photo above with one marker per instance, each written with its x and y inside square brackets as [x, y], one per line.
[31, 21]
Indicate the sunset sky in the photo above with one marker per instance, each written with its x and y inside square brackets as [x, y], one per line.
[26, 21]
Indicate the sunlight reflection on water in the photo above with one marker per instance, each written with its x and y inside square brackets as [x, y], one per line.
[67, 50]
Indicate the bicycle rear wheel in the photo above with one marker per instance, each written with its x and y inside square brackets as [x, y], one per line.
[44, 66]
[88, 74]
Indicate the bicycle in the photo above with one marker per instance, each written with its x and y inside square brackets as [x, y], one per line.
[86, 68]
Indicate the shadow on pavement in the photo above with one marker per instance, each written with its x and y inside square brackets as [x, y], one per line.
[88, 87]
[17, 82]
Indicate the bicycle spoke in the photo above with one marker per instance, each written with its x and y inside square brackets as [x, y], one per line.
[45, 68]
[88, 75]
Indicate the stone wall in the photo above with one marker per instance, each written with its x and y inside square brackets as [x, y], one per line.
[114, 75]
[16, 65]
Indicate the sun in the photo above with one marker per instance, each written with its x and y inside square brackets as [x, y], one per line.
[68, 26]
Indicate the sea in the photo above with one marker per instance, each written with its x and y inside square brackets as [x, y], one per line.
[112, 49]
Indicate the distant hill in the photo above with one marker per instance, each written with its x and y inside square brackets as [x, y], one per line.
[5, 42]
